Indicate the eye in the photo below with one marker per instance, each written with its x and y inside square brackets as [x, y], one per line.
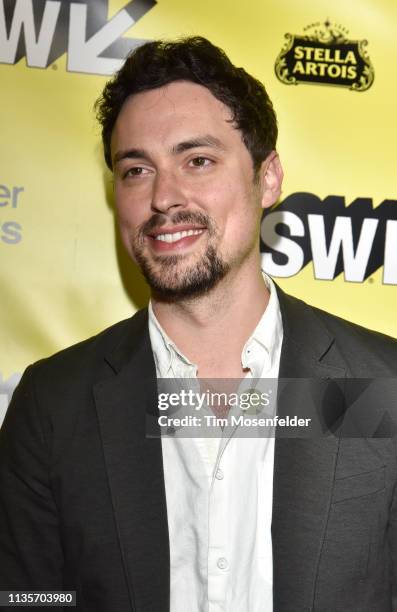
[135, 172]
[200, 162]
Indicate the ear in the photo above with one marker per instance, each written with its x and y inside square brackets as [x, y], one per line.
[271, 178]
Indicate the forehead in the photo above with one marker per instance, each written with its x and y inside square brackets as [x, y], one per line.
[168, 113]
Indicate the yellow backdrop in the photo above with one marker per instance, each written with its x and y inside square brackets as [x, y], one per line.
[63, 274]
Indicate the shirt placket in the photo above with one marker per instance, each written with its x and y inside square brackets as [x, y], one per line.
[218, 532]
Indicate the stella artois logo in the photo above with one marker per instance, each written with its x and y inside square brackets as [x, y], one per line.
[325, 55]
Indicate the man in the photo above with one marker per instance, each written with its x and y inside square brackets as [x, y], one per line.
[89, 502]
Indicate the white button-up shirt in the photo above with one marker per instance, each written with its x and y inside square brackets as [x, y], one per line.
[219, 491]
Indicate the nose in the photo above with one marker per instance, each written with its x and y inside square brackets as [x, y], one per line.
[167, 192]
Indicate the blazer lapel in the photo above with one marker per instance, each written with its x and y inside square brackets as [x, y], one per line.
[135, 468]
[303, 468]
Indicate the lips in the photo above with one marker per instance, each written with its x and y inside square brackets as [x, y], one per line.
[175, 236]
[164, 239]
[173, 229]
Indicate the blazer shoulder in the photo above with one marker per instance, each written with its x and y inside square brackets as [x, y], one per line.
[86, 359]
[59, 389]
[367, 352]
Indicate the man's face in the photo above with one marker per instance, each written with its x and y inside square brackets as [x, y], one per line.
[187, 203]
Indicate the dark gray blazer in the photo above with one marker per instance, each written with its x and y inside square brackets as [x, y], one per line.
[82, 498]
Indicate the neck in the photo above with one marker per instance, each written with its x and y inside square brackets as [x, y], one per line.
[201, 327]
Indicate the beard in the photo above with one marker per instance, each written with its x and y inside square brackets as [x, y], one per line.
[167, 275]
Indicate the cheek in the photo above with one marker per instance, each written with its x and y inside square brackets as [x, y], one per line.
[241, 231]
[220, 202]
[128, 223]
[125, 234]
[128, 212]
[124, 217]
[241, 213]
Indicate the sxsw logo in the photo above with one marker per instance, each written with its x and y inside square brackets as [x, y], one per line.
[43, 30]
[357, 239]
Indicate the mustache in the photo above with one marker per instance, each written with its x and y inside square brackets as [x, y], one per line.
[158, 220]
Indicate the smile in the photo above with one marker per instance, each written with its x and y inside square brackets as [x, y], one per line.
[175, 236]
[173, 239]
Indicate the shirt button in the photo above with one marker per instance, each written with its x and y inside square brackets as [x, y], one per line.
[219, 474]
[222, 563]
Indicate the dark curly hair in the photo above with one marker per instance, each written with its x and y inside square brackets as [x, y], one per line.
[194, 59]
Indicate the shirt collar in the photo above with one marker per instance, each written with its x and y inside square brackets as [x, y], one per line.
[165, 351]
[264, 339]
[268, 332]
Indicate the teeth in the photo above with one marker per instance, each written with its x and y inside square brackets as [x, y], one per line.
[178, 235]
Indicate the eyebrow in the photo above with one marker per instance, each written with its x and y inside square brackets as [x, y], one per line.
[200, 141]
[181, 147]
